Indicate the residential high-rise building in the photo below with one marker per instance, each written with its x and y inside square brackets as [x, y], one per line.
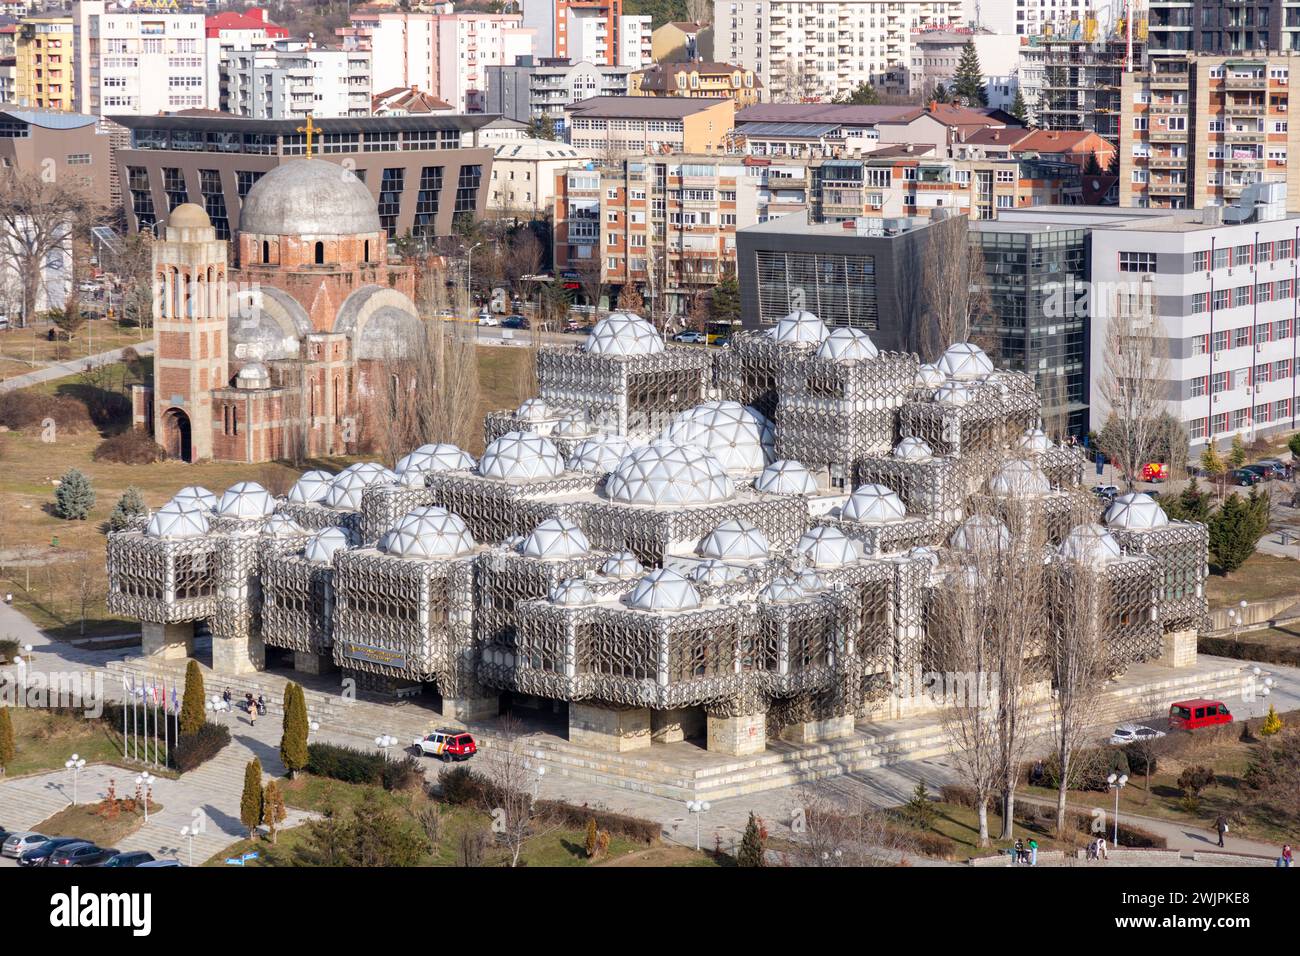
[543, 89]
[1028, 18]
[635, 42]
[230, 30]
[805, 50]
[1075, 84]
[44, 69]
[140, 63]
[577, 29]
[290, 81]
[1223, 26]
[1201, 129]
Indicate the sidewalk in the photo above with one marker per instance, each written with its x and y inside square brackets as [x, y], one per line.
[72, 366]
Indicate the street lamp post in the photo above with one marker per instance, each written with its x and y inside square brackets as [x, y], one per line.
[145, 782]
[188, 833]
[385, 741]
[1117, 784]
[469, 276]
[699, 808]
[1263, 691]
[75, 764]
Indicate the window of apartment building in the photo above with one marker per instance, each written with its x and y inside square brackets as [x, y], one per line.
[1263, 252]
[1241, 256]
[1216, 126]
[1264, 292]
[1137, 262]
[1141, 150]
[1139, 123]
[1279, 126]
[636, 240]
[1215, 152]
[1222, 257]
[1284, 247]
[1006, 202]
[611, 215]
[727, 218]
[1220, 421]
[1200, 344]
[1278, 73]
[1263, 413]
[1176, 123]
[1282, 369]
[1222, 298]
[1281, 330]
[1220, 382]
[1241, 295]
[1196, 428]
[1201, 260]
[1239, 418]
[1200, 385]
[1200, 302]
[1241, 337]
[1263, 373]
[1282, 409]
[1006, 176]
[1284, 287]
[1214, 178]
[1139, 175]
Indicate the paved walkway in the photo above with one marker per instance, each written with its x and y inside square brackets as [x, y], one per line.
[72, 366]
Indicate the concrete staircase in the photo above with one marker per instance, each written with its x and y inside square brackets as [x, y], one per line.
[684, 771]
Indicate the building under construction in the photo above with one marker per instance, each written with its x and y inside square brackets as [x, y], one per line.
[671, 542]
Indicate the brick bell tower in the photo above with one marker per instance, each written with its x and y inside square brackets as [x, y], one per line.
[190, 308]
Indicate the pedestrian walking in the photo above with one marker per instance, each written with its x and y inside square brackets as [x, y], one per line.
[1101, 848]
[1286, 854]
[1221, 825]
[1033, 852]
[252, 716]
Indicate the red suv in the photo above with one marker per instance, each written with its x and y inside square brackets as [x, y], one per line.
[448, 745]
[1190, 714]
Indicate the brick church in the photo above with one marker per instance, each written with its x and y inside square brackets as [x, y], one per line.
[272, 358]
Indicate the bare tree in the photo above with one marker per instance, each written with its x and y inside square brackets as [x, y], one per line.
[511, 795]
[834, 829]
[591, 278]
[699, 11]
[1078, 594]
[794, 81]
[954, 292]
[1135, 370]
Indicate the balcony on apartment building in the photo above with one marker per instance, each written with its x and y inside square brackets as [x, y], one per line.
[1171, 79]
[1158, 161]
[1155, 188]
[1254, 81]
[1167, 135]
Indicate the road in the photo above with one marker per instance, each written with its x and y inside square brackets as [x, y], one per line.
[72, 366]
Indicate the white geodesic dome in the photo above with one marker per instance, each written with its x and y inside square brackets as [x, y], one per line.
[713, 572]
[429, 532]
[622, 565]
[929, 376]
[952, 393]
[348, 485]
[246, 499]
[282, 526]
[198, 496]
[533, 410]
[783, 591]
[1135, 512]
[556, 538]
[965, 361]
[521, 456]
[624, 333]
[666, 473]
[1034, 441]
[572, 425]
[873, 504]
[912, 448]
[310, 487]
[571, 592]
[431, 459]
[786, 477]
[734, 540]
[1089, 544]
[924, 553]
[847, 345]
[1019, 479]
[980, 533]
[810, 580]
[321, 547]
[664, 590]
[174, 520]
[599, 454]
[828, 547]
[737, 436]
[800, 327]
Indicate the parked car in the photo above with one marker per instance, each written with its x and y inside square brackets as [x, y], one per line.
[80, 854]
[1132, 733]
[1243, 477]
[514, 322]
[1277, 467]
[20, 841]
[487, 319]
[448, 745]
[691, 338]
[1264, 472]
[152, 863]
[4, 322]
[721, 341]
[122, 860]
[1201, 712]
[40, 854]
[1108, 492]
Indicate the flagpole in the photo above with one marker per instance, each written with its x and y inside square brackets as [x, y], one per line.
[135, 723]
[124, 692]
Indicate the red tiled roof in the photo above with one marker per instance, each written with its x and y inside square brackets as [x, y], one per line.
[254, 18]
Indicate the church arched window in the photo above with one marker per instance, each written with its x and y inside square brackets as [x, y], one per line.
[320, 253]
[266, 251]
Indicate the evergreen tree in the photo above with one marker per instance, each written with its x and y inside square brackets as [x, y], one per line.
[194, 704]
[940, 93]
[864, 94]
[593, 838]
[968, 82]
[293, 742]
[1293, 443]
[74, 497]
[1237, 455]
[377, 836]
[920, 810]
[273, 811]
[1019, 108]
[546, 129]
[8, 749]
[1090, 165]
[725, 303]
[1235, 529]
[1212, 464]
[129, 506]
[250, 803]
[1192, 504]
[1112, 168]
[751, 845]
[1272, 723]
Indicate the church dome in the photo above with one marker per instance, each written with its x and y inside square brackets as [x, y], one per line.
[189, 215]
[253, 375]
[309, 197]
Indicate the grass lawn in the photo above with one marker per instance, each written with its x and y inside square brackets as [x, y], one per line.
[20, 348]
[89, 823]
[961, 825]
[45, 740]
[1262, 578]
[551, 848]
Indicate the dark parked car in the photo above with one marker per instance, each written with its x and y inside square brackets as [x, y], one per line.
[133, 858]
[1243, 477]
[153, 863]
[514, 322]
[80, 854]
[1263, 471]
[40, 855]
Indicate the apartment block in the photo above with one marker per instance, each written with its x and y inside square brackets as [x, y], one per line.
[1202, 129]
[664, 225]
[1178, 27]
[285, 82]
[524, 175]
[577, 30]
[1029, 18]
[228, 31]
[1070, 83]
[806, 50]
[700, 79]
[44, 71]
[142, 63]
[469, 43]
[543, 89]
[635, 42]
[650, 124]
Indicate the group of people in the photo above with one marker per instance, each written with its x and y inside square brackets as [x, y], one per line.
[1097, 849]
[1026, 853]
[253, 707]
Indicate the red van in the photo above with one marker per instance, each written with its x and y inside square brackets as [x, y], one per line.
[1155, 471]
[1190, 714]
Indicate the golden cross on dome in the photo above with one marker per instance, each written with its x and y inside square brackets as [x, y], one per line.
[310, 129]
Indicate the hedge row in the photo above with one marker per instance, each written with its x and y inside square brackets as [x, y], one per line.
[359, 766]
[194, 750]
[1248, 650]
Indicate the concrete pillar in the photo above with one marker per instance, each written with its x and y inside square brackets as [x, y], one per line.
[238, 655]
[168, 642]
[308, 663]
[470, 708]
[738, 736]
[680, 723]
[1178, 649]
[609, 728]
[815, 731]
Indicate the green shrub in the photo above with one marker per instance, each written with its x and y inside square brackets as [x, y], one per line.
[461, 786]
[1249, 650]
[8, 650]
[194, 750]
[358, 766]
[74, 497]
